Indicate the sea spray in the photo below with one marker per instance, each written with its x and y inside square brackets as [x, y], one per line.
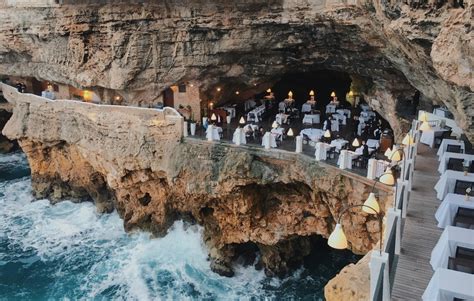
[68, 251]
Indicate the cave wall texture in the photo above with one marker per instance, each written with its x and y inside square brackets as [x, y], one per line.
[141, 47]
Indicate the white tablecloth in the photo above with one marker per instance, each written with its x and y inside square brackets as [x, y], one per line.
[335, 126]
[272, 140]
[367, 115]
[311, 118]
[339, 143]
[313, 134]
[447, 284]
[235, 137]
[281, 118]
[321, 151]
[372, 143]
[451, 238]
[346, 158]
[305, 108]
[447, 182]
[344, 112]
[449, 206]
[441, 112]
[443, 160]
[446, 142]
[330, 108]
[340, 117]
[214, 134]
[278, 133]
[428, 137]
[255, 114]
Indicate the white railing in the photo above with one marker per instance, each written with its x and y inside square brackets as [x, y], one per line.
[382, 266]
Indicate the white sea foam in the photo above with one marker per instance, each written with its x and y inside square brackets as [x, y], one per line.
[93, 251]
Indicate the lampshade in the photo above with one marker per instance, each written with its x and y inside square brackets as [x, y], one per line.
[311, 93]
[274, 124]
[425, 126]
[290, 94]
[269, 90]
[396, 155]
[333, 94]
[423, 117]
[213, 117]
[387, 179]
[290, 133]
[242, 120]
[327, 134]
[356, 143]
[351, 93]
[408, 139]
[337, 239]
[388, 153]
[371, 202]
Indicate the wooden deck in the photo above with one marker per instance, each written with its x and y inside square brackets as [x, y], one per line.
[420, 233]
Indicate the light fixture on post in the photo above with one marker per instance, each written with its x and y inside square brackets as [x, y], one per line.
[213, 117]
[274, 124]
[290, 95]
[290, 133]
[356, 143]
[237, 92]
[425, 126]
[327, 134]
[423, 117]
[333, 94]
[388, 152]
[242, 120]
[311, 93]
[371, 200]
[408, 140]
[219, 89]
[351, 94]
[338, 239]
[387, 178]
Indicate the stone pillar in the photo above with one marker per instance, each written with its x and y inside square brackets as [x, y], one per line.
[371, 169]
[210, 132]
[320, 152]
[299, 144]
[376, 261]
[238, 135]
[343, 157]
[268, 140]
[185, 129]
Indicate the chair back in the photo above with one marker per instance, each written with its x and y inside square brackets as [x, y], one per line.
[454, 148]
[461, 186]
[455, 164]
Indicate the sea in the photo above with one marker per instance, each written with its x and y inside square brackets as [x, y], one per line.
[68, 251]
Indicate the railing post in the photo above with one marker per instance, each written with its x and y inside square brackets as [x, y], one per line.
[210, 133]
[343, 159]
[392, 215]
[299, 144]
[185, 129]
[376, 261]
[371, 169]
[238, 135]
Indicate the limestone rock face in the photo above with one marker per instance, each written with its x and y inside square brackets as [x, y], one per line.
[133, 160]
[6, 145]
[141, 47]
[351, 284]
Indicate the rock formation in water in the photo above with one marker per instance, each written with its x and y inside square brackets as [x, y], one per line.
[139, 48]
[133, 160]
[6, 145]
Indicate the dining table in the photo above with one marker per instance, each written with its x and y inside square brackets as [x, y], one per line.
[446, 284]
[447, 182]
[444, 159]
[451, 238]
[428, 136]
[449, 206]
[444, 145]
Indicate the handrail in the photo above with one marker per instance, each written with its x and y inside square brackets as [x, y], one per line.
[378, 295]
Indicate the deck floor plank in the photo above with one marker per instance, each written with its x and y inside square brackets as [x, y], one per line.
[421, 232]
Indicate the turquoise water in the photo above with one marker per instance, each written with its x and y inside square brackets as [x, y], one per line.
[69, 252]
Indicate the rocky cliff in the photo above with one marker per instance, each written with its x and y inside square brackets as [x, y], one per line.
[133, 160]
[6, 145]
[138, 48]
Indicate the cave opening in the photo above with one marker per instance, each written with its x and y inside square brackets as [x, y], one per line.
[322, 82]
